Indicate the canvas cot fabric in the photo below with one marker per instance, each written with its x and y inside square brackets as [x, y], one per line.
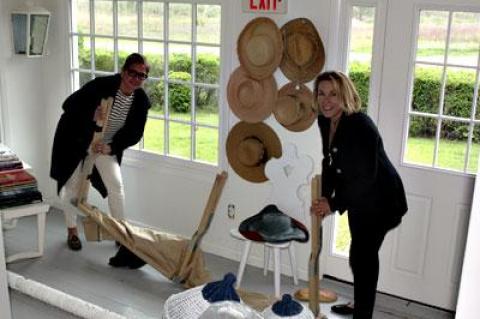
[164, 252]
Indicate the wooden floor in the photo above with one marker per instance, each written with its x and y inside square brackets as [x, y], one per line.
[140, 294]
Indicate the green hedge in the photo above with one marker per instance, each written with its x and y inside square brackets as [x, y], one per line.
[426, 90]
[426, 94]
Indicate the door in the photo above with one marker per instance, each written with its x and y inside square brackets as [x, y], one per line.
[433, 144]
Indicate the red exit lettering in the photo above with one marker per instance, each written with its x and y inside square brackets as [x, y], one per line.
[264, 4]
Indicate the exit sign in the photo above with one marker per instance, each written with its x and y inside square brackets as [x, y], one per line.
[265, 6]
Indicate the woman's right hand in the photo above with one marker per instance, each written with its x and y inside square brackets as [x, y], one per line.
[320, 207]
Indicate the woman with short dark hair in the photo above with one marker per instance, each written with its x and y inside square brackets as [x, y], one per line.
[76, 128]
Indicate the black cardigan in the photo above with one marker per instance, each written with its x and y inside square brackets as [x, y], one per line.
[356, 172]
[76, 127]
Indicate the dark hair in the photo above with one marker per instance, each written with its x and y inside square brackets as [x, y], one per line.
[135, 58]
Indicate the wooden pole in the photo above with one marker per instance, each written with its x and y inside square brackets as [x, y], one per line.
[313, 264]
[106, 106]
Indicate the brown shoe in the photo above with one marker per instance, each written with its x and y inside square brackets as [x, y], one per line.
[74, 243]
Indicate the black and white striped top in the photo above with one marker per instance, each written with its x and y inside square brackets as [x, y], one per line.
[118, 115]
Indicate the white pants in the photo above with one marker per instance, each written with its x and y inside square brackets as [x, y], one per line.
[109, 170]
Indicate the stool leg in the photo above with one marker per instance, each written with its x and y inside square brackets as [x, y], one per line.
[293, 263]
[41, 232]
[266, 259]
[276, 272]
[243, 261]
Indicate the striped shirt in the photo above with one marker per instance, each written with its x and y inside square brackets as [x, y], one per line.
[118, 115]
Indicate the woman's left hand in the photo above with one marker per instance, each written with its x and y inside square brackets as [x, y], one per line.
[101, 148]
[321, 207]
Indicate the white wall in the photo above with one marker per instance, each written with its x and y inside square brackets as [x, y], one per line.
[161, 193]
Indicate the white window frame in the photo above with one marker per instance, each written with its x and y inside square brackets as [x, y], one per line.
[440, 117]
[138, 157]
[341, 34]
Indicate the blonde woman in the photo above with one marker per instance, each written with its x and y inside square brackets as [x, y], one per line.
[357, 177]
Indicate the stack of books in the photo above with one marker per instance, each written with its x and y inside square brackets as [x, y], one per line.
[17, 186]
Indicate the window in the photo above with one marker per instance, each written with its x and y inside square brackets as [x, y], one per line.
[358, 64]
[181, 41]
[444, 120]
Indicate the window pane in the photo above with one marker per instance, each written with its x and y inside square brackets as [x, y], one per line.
[180, 59]
[179, 101]
[464, 39]
[80, 78]
[153, 51]
[179, 140]
[477, 110]
[459, 92]
[125, 48]
[474, 151]
[208, 24]
[153, 137]
[421, 141]
[426, 88]
[361, 35]
[180, 22]
[103, 17]
[104, 55]
[81, 16]
[153, 20]
[359, 73]
[127, 18]
[432, 36]
[155, 91]
[207, 68]
[207, 106]
[83, 58]
[206, 145]
[342, 237]
[452, 145]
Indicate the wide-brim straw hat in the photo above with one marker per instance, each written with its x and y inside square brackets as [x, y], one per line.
[294, 108]
[251, 100]
[249, 147]
[304, 53]
[260, 47]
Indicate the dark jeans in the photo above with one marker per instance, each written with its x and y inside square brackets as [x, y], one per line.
[367, 237]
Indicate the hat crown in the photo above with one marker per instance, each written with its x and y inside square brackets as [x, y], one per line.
[260, 50]
[287, 307]
[247, 93]
[301, 48]
[289, 110]
[251, 151]
[221, 290]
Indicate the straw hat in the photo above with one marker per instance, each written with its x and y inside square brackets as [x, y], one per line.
[249, 147]
[260, 47]
[304, 54]
[249, 99]
[294, 107]
[288, 308]
[191, 303]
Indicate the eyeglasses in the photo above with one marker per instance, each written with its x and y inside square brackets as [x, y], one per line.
[138, 75]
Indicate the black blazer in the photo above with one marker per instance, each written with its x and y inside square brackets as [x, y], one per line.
[76, 127]
[356, 172]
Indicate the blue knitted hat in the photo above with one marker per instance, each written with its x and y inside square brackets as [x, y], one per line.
[287, 308]
[221, 290]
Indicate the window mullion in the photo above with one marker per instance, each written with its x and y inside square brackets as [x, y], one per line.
[442, 90]
[166, 137]
[471, 127]
[115, 35]
[92, 39]
[193, 125]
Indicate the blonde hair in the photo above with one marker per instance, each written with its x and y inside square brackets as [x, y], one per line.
[351, 102]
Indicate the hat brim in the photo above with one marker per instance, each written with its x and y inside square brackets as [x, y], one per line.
[262, 132]
[273, 226]
[305, 96]
[293, 71]
[260, 26]
[263, 103]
